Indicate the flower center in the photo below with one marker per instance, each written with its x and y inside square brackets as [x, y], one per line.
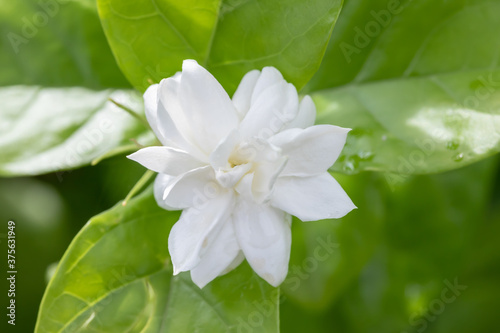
[240, 162]
[229, 177]
[235, 162]
[241, 154]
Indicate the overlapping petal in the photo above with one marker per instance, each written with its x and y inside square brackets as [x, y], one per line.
[192, 189]
[162, 182]
[196, 230]
[264, 235]
[219, 158]
[269, 77]
[206, 104]
[306, 115]
[169, 125]
[311, 198]
[220, 255]
[228, 178]
[310, 151]
[167, 160]
[270, 111]
[243, 95]
[151, 110]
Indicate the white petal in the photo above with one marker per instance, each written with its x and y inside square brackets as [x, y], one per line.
[160, 184]
[235, 263]
[243, 95]
[268, 78]
[192, 189]
[267, 165]
[171, 112]
[166, 160]
[151, 109]
[311, 198]
[220, 155]
[265, 175]
[196, 230]
[264, 235]
[175, 128]
[206, 104]
[244, 187]
[310, 151]
[228, 178]
[306, 115]
[270, 112]
[221, 253]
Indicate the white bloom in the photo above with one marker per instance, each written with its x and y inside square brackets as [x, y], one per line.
[239, 168]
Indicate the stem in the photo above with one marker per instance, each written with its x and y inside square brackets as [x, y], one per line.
[131, 112]
[114, 152]
[138, 186]
[137, 144]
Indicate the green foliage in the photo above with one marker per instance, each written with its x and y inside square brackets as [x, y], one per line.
[424, 235]
[55, 43]
[418, 81]
[52, 54]
[327, 255]
[117, 276]
[56, 132]
[150, 39]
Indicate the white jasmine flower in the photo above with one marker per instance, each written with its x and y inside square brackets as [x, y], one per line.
[239, 169]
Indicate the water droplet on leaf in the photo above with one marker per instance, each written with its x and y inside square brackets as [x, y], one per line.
[458, 157]
[452, 145]
[348, 167]
[364, 155]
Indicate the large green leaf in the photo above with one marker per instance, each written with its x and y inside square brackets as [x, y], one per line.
[51, 129]
[414, 126]
[229, 37]
[55, 43]
[116, 276]
[46, 46]
[422, 95]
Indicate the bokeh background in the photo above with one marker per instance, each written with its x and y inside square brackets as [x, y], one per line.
[421, 253]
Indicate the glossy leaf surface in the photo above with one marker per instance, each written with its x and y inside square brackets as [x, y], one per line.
[117, 276]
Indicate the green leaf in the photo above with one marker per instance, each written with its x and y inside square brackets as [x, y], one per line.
[117, 276]
[55, 43]
[474, 310]
[151, 38]
[48, 44]
[414, 126]
[327, 255]
[422, 95]
[51, 129]
[426, 231]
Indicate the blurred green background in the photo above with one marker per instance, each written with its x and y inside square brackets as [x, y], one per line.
[421, 253]
[49, 210]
